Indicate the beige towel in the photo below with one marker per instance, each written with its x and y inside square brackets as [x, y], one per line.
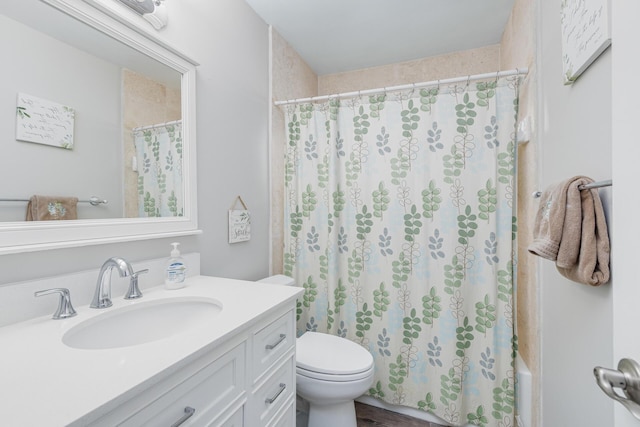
[571, 230]
[47, 208]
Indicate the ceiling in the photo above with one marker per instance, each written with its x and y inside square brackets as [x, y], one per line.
[342, 35]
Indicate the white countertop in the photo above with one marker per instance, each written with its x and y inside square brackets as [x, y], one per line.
[43, 382]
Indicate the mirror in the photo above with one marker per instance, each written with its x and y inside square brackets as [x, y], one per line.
[92, 107]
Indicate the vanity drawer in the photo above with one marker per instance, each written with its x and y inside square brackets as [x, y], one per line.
[286, 417]
[211, 391]
[271, 342]
[276, 391]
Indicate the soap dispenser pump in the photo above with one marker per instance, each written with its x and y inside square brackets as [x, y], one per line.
[176, 271]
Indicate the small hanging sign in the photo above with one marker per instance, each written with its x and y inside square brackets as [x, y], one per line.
[585, 34]
[44, 122]
[239, 222]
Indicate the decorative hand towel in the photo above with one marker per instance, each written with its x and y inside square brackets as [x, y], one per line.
[48, 208]
[571, 229]
[591, 266]
[549, 222]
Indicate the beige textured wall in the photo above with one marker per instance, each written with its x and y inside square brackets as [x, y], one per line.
[474, 61]
[144, 102]
[291, 78]
[517, 49]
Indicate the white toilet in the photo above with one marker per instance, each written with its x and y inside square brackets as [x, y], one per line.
[330, 373]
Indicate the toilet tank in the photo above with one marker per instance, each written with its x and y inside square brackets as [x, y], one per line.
[278, 279]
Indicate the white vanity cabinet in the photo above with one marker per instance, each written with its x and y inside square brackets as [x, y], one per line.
[234, 368]
[247, 381]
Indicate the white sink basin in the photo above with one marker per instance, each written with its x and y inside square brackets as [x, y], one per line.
[142, 322]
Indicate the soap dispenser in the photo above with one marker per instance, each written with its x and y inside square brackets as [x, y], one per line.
[176, 270]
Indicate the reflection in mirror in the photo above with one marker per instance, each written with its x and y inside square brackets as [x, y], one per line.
[122, 114]
[74, 65]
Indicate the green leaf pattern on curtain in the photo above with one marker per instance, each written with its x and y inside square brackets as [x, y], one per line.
[400, 227]
[159, 154]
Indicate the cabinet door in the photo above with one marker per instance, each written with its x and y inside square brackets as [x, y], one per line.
[210, 392]
[235, 420]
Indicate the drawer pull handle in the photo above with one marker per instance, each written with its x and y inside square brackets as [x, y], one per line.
[272, 346]
[188, 413]
[269, 401]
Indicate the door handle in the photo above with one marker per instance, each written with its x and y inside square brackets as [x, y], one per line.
[626, 378]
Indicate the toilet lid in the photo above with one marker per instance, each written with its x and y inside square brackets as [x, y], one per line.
[329, 354]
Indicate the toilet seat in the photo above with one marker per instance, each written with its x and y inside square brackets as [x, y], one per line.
[331, 358]
[333, 377]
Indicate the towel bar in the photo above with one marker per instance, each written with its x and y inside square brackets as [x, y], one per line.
[599, 184]
[93, 200]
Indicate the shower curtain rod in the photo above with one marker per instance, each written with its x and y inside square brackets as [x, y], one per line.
[156, 126]
[517, 71]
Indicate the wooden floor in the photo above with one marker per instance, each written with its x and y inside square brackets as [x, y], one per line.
[369, 416]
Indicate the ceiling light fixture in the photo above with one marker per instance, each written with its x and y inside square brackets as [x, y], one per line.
[154, 11]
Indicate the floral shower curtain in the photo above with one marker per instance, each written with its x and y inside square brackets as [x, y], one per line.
[400, 226]
[159, 154]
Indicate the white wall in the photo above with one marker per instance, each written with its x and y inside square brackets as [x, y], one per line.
[57, 72]
[231, 44]
[577, 320]
[626, 152]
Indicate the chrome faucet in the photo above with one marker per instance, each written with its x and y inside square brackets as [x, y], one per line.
[102, 295]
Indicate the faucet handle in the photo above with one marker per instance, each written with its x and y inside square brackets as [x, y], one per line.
[134, 292]
[65, 309]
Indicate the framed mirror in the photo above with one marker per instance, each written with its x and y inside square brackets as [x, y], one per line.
[92, 109]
